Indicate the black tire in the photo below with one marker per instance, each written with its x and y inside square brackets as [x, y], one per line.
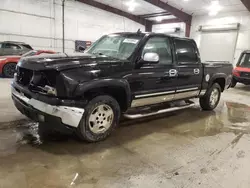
[9, 70]
[205, 100]
[84, 132]
[233, 83]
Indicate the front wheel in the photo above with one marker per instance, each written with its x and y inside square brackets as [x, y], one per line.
[101, 116]
[211, 98]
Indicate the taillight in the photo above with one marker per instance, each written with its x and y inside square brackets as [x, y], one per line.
[236, 73]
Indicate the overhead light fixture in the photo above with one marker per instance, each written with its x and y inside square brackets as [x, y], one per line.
[158, 18]
[131, 5]
[185, 0]
[131, 9]
[213, 13]
[214, 8]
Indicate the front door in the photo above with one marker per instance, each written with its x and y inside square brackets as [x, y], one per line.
[189, 69]
[153, 83]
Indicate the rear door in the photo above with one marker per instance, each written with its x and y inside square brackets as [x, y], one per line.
[189, 67]
[153, 83]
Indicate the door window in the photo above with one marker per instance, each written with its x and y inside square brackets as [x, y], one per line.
[1, 45]
[186, 51]
[161, 46]
[12, 46]
[245, 61]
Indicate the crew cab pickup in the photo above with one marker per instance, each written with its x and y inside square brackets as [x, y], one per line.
[132, 75]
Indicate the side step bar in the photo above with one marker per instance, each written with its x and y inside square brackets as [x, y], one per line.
[136, 116]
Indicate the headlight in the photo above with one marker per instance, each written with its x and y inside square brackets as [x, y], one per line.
[50, 90]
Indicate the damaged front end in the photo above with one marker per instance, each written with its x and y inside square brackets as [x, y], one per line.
[46, 96]
[43, 82]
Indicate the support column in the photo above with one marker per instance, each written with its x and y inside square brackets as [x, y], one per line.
[188, 29]
[148, 26]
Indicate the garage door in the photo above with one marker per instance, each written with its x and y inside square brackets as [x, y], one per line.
[218, 45]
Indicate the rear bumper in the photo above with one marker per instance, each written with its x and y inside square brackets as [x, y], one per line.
[43, 112]
[242, 80]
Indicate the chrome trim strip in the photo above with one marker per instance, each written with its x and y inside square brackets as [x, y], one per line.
[135, 116]
[203, 92]
[69, 115]
[154, 94]
[186, 94]
[188, 89]
[152, 100]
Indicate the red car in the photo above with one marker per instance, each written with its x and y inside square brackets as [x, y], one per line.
[8, 63]
[241, 72]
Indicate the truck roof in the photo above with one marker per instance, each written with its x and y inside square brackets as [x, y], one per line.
[149, 33]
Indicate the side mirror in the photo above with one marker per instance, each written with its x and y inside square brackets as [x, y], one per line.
[151, 57]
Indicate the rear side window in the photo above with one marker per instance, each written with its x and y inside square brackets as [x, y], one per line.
[12, 46]
[186, 52]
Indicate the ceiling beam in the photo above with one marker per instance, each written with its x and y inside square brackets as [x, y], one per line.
[246, 3]
[176, 12]
[115, 11]
[168, 21]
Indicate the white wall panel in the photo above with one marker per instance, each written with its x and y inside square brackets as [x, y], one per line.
[39, 23]
[165, 28]
[243, 40]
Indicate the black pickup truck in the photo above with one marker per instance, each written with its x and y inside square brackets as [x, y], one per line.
[124, 74]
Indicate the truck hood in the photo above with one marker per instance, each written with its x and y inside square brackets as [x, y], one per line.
[66, 61]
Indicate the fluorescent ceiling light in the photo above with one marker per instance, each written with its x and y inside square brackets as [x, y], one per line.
[213, 13]
[131, 5]
[131, 9]
[158, 18]
[214, 8]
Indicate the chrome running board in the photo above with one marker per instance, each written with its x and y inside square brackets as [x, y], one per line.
[161, 111]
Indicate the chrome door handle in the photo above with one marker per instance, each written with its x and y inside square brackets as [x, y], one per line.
[196, 71]
[172, 72]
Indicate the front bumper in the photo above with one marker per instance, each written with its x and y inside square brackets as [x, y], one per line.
[243, 80]
[43, 112]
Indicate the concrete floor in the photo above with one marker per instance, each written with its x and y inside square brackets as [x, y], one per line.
[8, 112]
[189, 148]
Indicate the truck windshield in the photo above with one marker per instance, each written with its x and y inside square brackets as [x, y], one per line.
[117, 46]
[245, 61]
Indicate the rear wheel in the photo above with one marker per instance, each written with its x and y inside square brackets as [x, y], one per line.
[233, 83]
[9, 70]
[211, 98]
[101, 116]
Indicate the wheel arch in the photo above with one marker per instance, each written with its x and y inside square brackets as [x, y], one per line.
[118, 89]
[220, 79]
